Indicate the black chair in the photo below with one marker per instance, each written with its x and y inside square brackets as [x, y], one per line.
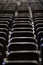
[39, 30]
[18, 26]
[5, 19]
[22, 19]
[35, 19]
[38, 21]
[20, 55]
[38, 25]
[5, 15]
[4, 30]
[23, 15]
[22, 29]
[22, 34]
[5, 22]
[4, 35]
[17, 46]
[22, 39]
[3, 42]
[21, 22]
[4, 26]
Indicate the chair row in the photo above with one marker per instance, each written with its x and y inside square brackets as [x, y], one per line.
[5, 24]
[22, 31]
[38, 25]
[22, 37]
[22, 46]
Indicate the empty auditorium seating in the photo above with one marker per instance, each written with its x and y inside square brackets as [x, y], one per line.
[21, 32]
[38, 22]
